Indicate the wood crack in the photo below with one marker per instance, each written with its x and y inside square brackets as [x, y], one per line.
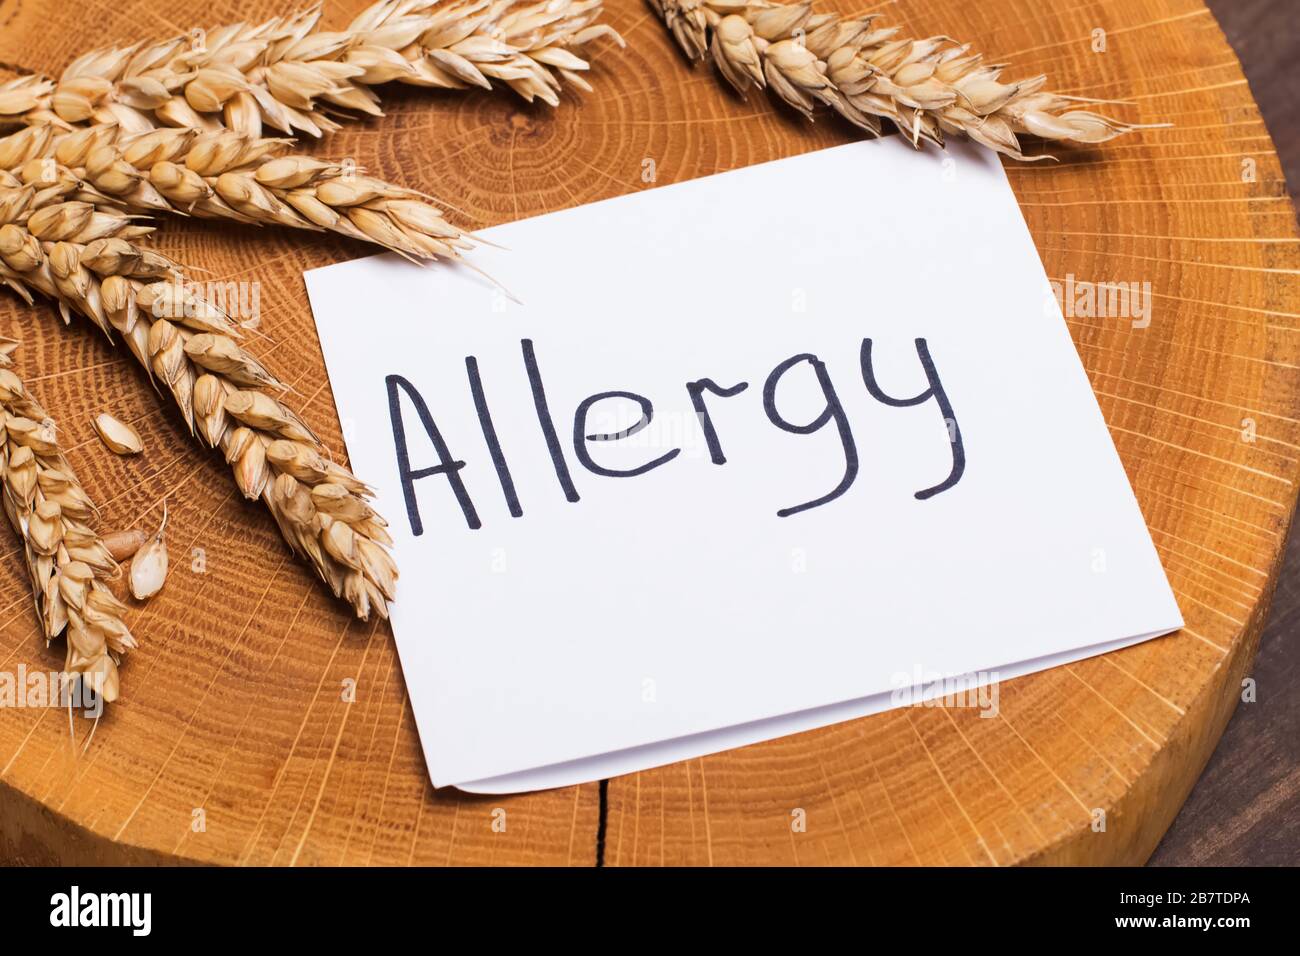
[602, 820]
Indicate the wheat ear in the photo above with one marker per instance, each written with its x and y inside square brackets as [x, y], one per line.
[67, 252]
[276, 72]
[286, 75]
[66, 560]
[926, 87]
[227, 175]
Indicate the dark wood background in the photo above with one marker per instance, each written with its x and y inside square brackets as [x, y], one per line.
[1245, 809]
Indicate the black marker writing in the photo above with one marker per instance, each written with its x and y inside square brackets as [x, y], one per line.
[490, 436]
[446, 464]
[940, 397]
[580, 440]
[548, 426]
[833, 410]
[696, 390]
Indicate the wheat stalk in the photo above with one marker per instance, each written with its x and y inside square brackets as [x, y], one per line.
[277, 72]
[66, 560]
[926, 87]
[82, 259]
[228, 175]
[286, 75]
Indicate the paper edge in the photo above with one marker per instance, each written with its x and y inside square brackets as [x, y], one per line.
[648, 756]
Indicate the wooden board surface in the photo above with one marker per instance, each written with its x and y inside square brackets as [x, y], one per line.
[1245, 807]
[234, 702]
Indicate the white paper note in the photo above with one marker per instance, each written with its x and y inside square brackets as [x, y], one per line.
[594, 597]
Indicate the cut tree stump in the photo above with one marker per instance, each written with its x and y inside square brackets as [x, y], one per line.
[233, 743]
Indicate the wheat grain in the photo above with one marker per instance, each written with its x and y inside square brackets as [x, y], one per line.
[67, 562]
[117, 436]
[925, 87]
[70, 253]
[287, 75]
[149, 565]
[122, 544]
